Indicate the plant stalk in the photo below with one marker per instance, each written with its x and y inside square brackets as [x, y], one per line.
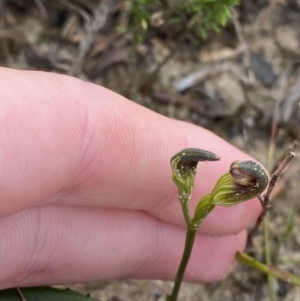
[267, 249]
[189, 242]
[268, 270]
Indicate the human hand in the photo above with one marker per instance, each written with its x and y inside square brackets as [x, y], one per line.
[87, 192]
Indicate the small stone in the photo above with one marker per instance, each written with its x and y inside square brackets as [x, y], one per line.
[156, 19]
[231, 92]
[287, 38]
[263, 70]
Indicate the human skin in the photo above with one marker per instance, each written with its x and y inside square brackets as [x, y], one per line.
[86, 189]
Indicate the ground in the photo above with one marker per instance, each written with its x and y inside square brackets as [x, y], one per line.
[240, 83]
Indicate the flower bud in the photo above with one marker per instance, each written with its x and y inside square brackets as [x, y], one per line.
[184, 165]
[244, 181]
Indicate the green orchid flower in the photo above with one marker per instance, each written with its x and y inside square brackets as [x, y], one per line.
[245, 180]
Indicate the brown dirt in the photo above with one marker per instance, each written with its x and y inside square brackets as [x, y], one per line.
[236, 84]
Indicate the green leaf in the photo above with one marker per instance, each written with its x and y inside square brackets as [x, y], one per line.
[144, 24]
[45, 293]
[288, 229]
[204, 207]
[203, 33]
[175, 20]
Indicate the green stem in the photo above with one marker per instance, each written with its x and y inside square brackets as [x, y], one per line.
[204, 207]
[189, 242]
[267, 249]
[185, 207]
[270, 271]
[186, 213]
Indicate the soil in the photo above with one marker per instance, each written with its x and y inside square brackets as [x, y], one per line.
[242, 83]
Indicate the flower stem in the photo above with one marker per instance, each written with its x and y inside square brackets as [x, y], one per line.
[189, 242]
[268, 270]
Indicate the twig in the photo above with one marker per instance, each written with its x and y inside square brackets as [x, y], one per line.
[223, 54]
[291, 148]
[279, 98]
[241, 37]
[198, 76]
[238, 27]
[268, 11]
[291, 101]
[114, 57]
[185, 101]
[20, 294]
[267, 197]
[40, 5]
[96, 23]
[85, 16]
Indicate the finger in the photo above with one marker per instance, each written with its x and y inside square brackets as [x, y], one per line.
[69, 244]
[92, 147]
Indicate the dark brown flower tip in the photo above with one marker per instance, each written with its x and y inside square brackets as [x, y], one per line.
[249, 173]
[184, 166]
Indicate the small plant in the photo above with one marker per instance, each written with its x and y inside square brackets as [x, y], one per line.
[202, 15]
[207, 14]
[245, 180]
[140, 15]
[140, 11]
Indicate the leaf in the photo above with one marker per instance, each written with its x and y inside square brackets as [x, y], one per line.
[44, 293]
